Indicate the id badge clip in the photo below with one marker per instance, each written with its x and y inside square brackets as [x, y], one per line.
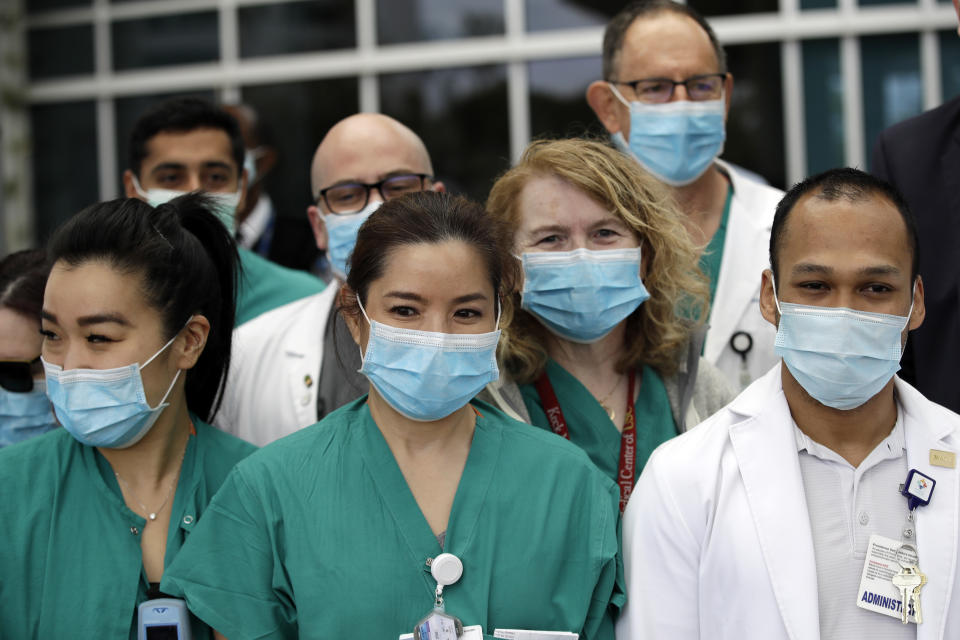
[918, 489]
[446, 569]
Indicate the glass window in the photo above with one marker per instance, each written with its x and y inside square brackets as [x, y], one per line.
[165, 40]
[418, 20]
[36, 6]
[892, 86]
[543, 15]
[461, 114]
[732, 7]
[127, 111]
[64, 162]
[755, 122]
[296, 27]
[312, 107]
[558, 103]
[818, 4]
[868, 3]
[60, 51]
[823, 105]
[950, 63]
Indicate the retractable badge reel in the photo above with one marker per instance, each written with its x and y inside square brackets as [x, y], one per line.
[446, 569]
[742, 342]
[909, 581]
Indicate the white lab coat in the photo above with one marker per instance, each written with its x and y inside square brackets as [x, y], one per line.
[746, 253]
[717, 539]
[274, 370]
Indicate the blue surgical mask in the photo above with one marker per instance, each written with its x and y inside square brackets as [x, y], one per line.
[105, 407]
[675, 141]
[342, 231]
[841, 357]
[425, 375]
[581, 295]
[25, 415]
[225, 204]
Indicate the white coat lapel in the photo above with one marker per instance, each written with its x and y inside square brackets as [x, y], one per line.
[766, 452]
[302, 354]
[739, 280]
[928, 426]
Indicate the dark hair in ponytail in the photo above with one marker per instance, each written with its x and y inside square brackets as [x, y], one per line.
[23, 276]
[189, 265]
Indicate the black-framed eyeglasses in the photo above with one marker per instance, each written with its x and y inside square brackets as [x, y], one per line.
[351, 197]
[707, 86]
[17, 375]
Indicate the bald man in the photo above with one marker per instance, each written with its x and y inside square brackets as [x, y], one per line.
[294, 365]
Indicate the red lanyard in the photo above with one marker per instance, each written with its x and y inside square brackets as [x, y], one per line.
[628, 438]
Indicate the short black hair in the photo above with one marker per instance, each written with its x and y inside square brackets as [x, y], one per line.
[617, 30]
[848, 184]
[182, 115]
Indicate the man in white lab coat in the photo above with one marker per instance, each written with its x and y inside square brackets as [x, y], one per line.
[664, 98]
[759, 522]
[292, 366]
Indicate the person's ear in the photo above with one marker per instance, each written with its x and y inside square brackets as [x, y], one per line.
[346, 303]
[438, 186]
[919, 309]
[318, 227]
[604, 104]
[191, 342]
[727, 94]
[129, 190]
[768, 304]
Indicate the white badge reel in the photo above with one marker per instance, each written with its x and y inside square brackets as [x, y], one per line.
[446, 569]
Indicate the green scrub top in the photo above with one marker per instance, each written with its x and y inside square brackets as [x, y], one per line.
[712, 256]
[327, 541]
[589, 425]
[265, 285]
[70, 562]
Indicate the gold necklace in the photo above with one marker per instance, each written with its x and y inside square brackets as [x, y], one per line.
[603, 403]
[152, 515]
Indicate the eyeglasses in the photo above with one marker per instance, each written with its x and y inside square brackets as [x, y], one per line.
[17, 375]
[352, 197]
[708, 86]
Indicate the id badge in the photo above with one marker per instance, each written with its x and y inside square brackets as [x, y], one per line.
[877, 592]
[438, 625]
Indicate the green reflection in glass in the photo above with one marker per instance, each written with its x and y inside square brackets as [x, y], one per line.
[892, 85]
[823, 104]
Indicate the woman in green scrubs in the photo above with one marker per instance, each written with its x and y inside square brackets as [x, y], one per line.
[332, 531]
[602, 349]
[136, 323]
[25, 411]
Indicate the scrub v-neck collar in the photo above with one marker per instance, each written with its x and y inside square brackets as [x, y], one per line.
[468, 501]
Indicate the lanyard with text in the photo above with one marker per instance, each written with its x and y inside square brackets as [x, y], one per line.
[628, 438]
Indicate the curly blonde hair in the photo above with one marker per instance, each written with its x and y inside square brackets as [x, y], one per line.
[660, 328]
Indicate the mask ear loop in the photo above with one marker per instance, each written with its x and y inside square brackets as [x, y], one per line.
[154, 356]
[367, 318]
[137, 187]
[618, 95]
[773, 283]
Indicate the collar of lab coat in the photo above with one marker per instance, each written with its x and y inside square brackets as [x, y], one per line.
[765, 448]
[748, 225]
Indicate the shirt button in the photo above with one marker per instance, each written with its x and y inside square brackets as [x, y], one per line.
[187, 519]
[305, 399]
[135, 531]
[864, 518]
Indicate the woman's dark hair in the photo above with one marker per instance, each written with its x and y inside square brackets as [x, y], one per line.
[23, 276]
[188, 263]
[430, 217]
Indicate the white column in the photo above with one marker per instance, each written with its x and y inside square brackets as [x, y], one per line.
[16, 180]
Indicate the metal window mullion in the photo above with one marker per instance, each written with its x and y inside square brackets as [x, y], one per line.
[794, 124]
[518, 84]
[369, 83]
[853, 114]
[107, 162]
[229, 51]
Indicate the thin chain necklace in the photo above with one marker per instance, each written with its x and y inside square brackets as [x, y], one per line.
[603, 403]
[152, 515]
